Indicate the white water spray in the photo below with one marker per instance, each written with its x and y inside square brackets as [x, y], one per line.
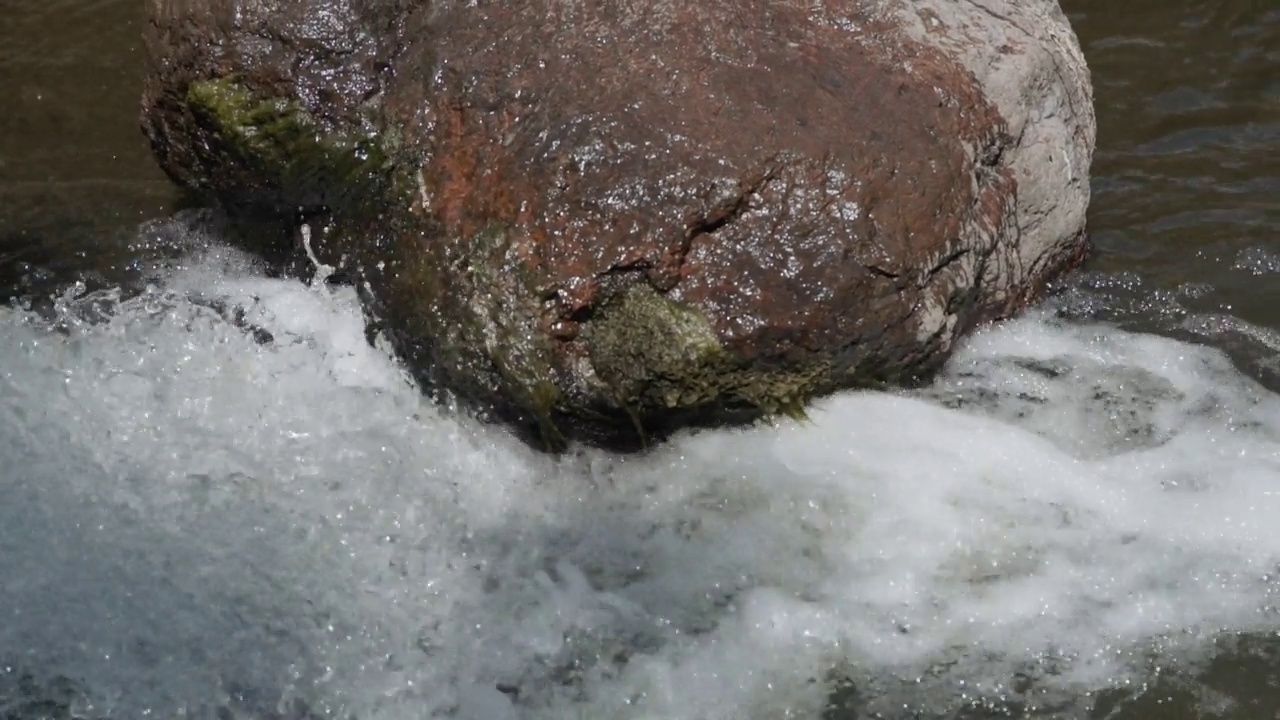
[323, 271]
[196, 519]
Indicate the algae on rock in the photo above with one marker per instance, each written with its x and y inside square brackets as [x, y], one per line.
[658, 355]
[272, 156]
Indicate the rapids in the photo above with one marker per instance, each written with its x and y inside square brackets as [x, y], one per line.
[221, 501]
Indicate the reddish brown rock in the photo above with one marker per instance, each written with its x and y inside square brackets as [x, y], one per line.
[609, 220]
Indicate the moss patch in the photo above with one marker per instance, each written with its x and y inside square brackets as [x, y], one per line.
[271, 155]
[654, 352]
[662, 359]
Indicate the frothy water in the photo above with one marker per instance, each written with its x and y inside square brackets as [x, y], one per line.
[219, 500]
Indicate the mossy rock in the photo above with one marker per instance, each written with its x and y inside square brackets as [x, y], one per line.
[654, 352]
[271, 156]
[587, 249]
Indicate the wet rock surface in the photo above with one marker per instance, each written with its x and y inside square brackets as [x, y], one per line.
[607, 221]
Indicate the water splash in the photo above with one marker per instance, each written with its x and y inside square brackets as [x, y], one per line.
[323, 271]
[220, 499]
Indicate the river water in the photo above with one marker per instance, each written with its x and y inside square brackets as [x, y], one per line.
[1080, 519]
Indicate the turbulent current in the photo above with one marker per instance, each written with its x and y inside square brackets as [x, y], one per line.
[217, 501]
[220, 501]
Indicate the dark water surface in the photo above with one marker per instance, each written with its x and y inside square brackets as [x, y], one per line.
[1185, 214]
[75, 174]
[1187, 172]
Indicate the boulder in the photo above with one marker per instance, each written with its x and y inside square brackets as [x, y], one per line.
[604, 221]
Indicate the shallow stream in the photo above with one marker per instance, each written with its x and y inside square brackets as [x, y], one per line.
[219, 502]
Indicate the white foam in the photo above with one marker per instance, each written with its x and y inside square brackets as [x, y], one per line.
[195, 519]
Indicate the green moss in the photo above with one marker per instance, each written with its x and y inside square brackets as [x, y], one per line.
[793, 408]
[661, 357]
[545, 396]
[270, 153]
[653, 351]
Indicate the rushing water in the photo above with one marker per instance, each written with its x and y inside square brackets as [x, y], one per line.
[219, 501]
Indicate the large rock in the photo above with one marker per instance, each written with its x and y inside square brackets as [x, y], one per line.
[608, 220]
